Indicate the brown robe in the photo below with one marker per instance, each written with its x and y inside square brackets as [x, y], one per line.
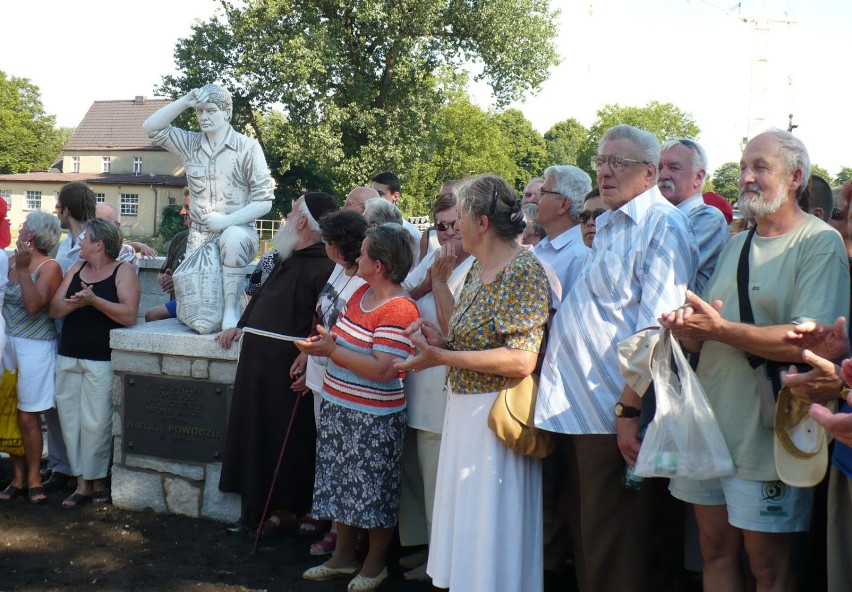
[263, 402]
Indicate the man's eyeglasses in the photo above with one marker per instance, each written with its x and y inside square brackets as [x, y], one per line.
[836, 214]
[616, 163]
[445, 226]
[541, 192]
[587, 216]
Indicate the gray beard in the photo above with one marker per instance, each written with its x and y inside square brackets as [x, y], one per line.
[755, 206]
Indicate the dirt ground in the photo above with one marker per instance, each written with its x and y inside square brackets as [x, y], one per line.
[47, 548]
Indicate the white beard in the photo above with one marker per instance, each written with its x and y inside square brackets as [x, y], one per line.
[285, 240]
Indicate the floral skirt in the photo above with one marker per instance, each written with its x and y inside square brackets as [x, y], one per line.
[359, 467]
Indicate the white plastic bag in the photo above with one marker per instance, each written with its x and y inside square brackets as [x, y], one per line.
[684, 439]
[198, 289]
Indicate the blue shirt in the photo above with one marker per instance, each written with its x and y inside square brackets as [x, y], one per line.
[711, 233]
[842, 458]
[566, 254]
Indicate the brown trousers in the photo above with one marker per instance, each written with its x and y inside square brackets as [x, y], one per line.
[611, 525]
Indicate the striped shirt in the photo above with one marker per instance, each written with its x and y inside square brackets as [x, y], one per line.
[365, 331]
[641, 262]
[19, 323]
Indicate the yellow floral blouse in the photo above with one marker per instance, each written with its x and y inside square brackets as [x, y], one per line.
[511, 311]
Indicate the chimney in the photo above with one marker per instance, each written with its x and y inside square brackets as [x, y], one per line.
[139, 100]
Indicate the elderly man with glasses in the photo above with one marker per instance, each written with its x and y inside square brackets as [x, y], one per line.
[560, 201]
[640, 265]
[683, 166]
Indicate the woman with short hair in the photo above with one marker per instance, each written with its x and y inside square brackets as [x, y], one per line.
[363, 417]
[31, 343]
[96, 296]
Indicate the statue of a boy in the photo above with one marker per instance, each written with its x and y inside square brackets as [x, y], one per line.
[229, 183]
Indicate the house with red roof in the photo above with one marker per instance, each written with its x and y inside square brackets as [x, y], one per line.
[112, 154]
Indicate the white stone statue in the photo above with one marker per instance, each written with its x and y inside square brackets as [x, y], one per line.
[229, 184]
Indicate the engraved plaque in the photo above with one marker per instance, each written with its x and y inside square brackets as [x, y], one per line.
[175, 418]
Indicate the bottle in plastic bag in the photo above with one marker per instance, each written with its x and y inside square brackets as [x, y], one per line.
[632, 481]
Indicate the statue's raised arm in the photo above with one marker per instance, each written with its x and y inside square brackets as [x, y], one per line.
[229, 184]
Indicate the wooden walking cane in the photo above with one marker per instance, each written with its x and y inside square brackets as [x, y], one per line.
[275, 477]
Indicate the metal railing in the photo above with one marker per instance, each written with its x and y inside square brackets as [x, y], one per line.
[266, 229]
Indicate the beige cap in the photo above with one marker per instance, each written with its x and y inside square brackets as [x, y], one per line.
[634, 358]
[801, 443]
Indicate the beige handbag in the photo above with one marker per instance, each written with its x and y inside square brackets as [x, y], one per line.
[512, 415]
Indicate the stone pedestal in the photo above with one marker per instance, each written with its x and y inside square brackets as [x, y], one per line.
[168, 351]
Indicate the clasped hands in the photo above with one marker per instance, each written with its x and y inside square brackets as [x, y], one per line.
[84, 297]
[431, 344]
[696, 320]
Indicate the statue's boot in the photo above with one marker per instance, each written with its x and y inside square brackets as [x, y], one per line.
[233, 281]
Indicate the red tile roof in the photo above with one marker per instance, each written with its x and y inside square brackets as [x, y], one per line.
[116, 125]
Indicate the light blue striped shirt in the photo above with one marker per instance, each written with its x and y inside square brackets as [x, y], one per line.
[641, 262]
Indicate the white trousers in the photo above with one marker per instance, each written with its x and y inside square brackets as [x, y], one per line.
[34, 360]
[84, 402]
[417, 493]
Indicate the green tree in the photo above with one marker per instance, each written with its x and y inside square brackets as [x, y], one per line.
[844, 175]
[564, 141]
[725, 181]
[524, 144]
[465, 140]
[665, 120]
[29, 140]
[172, 222]
[359, 79]
[820, 172]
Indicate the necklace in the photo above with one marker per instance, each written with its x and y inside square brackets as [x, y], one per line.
[327, 290]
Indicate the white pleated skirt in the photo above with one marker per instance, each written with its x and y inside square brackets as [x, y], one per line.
[487, 522]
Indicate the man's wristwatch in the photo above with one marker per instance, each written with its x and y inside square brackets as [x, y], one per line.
[626, 412]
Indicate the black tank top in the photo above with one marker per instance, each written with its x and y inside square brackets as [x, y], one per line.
[85, 332]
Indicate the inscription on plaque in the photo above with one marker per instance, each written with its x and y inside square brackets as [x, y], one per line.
[174, 418]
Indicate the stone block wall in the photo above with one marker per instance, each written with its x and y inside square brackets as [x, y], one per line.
[166, 349]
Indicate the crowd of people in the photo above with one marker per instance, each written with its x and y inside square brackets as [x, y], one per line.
[425, 334]
[372, 354]
[58, 312]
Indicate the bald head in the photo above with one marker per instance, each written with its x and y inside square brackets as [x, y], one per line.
[108, 212]
[358, 197]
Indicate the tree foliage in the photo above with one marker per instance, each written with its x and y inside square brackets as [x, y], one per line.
[524, 145]
[358, 80]
[665, 120]
[29, 140]
[464, 140]
[820, 172]
[725, 181]
[843, 176]
[172, 222]
[564, 140]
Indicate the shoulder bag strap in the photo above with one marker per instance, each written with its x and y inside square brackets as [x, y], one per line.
[746, 313]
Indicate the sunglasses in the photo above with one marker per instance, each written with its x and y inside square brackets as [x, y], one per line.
[445, 226]
[836, 214]
[586, 216]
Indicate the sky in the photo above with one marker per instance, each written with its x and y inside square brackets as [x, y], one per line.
[691, 53]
